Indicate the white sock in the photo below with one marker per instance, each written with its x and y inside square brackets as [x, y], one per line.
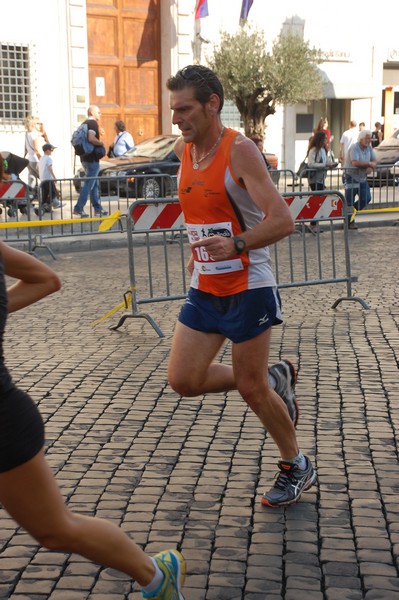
[300, 461]
[156, 580]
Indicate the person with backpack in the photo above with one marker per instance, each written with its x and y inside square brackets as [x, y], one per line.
[91, 165]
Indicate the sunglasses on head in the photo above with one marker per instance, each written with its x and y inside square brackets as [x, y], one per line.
[191, 74]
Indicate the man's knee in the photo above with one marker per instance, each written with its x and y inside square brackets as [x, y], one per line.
[253, 391]
[184, 384]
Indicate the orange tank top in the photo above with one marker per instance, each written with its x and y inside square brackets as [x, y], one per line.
[215, 202]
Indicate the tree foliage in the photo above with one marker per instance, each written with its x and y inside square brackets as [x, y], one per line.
[257, 81]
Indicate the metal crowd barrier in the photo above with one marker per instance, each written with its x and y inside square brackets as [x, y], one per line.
[116, 195]
[17, 203]
[284, 179]
[383, 182]
[158, 251]
[155, 229]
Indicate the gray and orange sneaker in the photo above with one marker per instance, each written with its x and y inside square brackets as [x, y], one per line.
[285, 376]
[289, 484]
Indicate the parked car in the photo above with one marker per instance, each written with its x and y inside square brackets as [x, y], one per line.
[144, 171]
[387, 169]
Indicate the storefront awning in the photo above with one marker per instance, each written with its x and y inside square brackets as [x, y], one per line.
[344, 80]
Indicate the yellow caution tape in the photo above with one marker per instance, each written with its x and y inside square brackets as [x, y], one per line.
[106, 222]
[372, 210]
[127, 302]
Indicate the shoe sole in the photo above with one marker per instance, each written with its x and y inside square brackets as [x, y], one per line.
[293, 379]
[181, 571]
[306, 487]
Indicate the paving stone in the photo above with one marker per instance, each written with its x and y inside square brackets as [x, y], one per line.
[260, 585]
[344, 569]
[341, 581]
[381, 582]
[344, 594]
[378, 594]
[309, 571]
[34, 586]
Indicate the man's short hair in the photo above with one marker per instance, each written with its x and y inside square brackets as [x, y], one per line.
[363, 133]
[203, 81]
[120, 125]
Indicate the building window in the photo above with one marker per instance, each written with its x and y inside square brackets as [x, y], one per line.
[304, 123]
[15, 88]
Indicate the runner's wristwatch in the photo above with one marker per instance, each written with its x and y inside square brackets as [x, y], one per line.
[239, 244]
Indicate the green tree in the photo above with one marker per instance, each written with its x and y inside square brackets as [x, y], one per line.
[257, 81]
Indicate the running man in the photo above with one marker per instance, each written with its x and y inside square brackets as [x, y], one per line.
[232, 212]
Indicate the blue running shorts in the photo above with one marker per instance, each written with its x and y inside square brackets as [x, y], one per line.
[239, 317]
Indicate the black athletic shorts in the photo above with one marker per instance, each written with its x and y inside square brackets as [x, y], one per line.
[21, 429]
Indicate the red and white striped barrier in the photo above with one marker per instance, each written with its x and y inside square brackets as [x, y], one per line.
[12, 190]
[169, 215]
[314, 207]
[156, 216]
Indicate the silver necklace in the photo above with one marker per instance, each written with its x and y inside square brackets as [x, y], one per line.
[196, 163]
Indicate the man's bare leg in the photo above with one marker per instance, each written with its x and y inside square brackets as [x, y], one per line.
[193, 372]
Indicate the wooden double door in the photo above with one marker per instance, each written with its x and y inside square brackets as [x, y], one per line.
[124, 69]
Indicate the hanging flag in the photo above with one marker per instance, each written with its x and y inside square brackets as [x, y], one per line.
[202, 9]
[245, 8]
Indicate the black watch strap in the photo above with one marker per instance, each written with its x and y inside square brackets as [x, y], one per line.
[239, 244]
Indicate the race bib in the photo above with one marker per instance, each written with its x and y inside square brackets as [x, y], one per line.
[204, 264]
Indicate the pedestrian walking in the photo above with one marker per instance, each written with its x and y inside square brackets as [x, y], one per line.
[91, 166]
[34, 141]
[50, 192]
